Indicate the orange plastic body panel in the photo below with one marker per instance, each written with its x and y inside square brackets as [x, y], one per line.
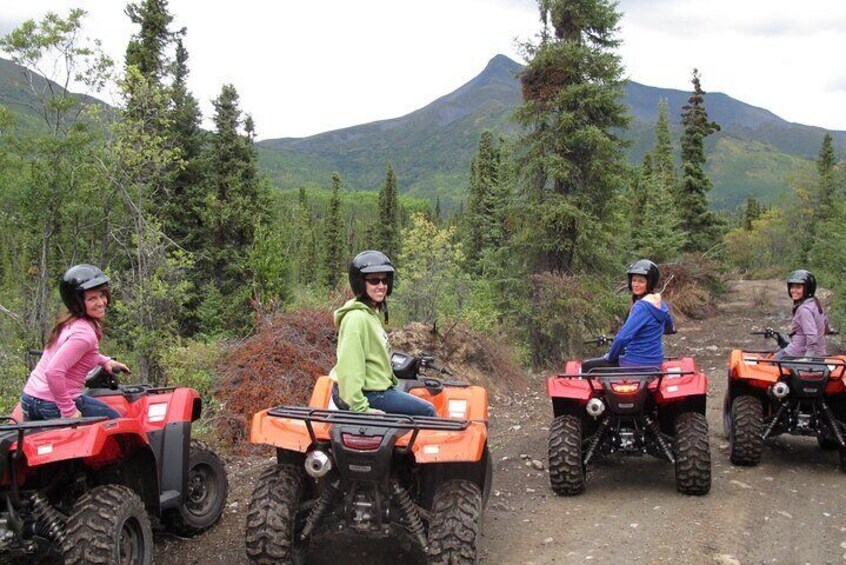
[430, 446]
[743, 365]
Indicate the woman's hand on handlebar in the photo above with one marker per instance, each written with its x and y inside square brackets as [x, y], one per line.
[115, 366]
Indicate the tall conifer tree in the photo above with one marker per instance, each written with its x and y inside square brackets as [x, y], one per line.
[825, 186]
[237, 203]
[573, 159]
[387, 231]
[700, 224]
[333, 230]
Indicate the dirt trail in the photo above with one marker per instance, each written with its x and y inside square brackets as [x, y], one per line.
[789, 509]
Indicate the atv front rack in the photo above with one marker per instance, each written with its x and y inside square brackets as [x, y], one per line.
[347, 418]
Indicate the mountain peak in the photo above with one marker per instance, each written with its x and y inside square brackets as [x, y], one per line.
[500, 66]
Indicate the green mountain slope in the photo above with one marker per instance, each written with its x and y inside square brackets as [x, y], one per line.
[756, 153]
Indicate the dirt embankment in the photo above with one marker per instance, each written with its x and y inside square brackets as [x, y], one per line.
[789, 509]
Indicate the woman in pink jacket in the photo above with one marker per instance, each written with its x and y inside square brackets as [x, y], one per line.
[54, 388]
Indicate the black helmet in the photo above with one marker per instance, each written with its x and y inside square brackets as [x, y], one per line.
[803, 277]
[646, 268]
[75, 282]
[369, 262]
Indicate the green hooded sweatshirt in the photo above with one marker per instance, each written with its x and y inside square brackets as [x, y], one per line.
[364, 361]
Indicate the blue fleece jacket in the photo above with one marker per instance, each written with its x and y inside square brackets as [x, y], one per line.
[639, 341]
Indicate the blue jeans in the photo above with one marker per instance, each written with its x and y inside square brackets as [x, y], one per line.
[395, 401]
[35, 409]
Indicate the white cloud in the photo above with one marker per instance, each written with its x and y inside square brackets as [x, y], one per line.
[306, 67]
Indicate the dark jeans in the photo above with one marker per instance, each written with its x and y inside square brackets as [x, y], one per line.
[394, 401]
[600, 362]
[35, 409]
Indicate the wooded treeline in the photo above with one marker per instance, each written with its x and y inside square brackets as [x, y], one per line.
[200, 246]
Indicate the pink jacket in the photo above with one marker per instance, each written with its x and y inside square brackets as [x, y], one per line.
[60, 374]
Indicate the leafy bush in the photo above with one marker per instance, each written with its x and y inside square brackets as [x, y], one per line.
[564, 311]
[693, 283]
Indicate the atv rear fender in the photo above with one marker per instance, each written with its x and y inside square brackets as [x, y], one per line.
[750, 372]
[465, 403]
[101, 446]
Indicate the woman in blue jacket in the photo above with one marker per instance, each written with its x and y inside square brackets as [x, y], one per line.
[639, 342]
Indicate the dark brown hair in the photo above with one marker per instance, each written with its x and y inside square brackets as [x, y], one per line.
[65, 317]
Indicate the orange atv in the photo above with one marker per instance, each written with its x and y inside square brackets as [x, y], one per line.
[374, 474]
[766, 397]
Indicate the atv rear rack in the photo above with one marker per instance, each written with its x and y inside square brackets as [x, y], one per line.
[348, 418]
[621, 372]
[809, 362]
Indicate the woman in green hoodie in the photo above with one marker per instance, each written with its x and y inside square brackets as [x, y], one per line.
[366, 381]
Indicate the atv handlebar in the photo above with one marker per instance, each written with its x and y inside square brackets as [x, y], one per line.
[600, 340]
[770, 333]
[428, 362]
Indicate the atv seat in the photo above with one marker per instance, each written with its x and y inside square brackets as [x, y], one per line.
[335, 400]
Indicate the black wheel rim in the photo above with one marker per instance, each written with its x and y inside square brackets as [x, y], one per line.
[131, 543]
[203, 490]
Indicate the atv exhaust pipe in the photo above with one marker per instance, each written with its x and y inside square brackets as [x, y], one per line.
[317, 464]
[780, 390]
[595, 407]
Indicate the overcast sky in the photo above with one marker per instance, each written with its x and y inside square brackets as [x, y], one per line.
[307, 67]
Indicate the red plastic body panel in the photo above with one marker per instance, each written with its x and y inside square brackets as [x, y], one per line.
[101, 443]
[430, 446]
[674, 387]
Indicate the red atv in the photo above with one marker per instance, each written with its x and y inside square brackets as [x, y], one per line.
[374, 475]
[629, 411]
[83, 489]
[798, 396]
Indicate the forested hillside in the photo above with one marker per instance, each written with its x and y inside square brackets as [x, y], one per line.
[754, 154]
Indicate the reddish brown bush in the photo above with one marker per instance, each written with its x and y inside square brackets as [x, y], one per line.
[276, 366]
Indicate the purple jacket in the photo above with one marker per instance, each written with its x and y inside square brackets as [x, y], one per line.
[807, 330]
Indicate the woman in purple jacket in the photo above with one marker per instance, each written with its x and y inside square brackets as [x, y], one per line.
[640, 341]
[54, 388]
[809, 324]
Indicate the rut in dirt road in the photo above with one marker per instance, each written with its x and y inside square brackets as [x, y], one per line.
[788, 509]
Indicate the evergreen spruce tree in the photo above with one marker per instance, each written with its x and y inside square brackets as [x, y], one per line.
[237, 203]
[663, 166]
[333, 233]
[182, 210]
[146, 50]
[699, 223]
[654, 219]
[487, 202]
[825, 187]
[751, 212]
[573, 160]
[306, 259]
[388, 228]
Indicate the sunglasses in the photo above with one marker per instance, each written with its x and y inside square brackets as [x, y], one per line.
[373, 281]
